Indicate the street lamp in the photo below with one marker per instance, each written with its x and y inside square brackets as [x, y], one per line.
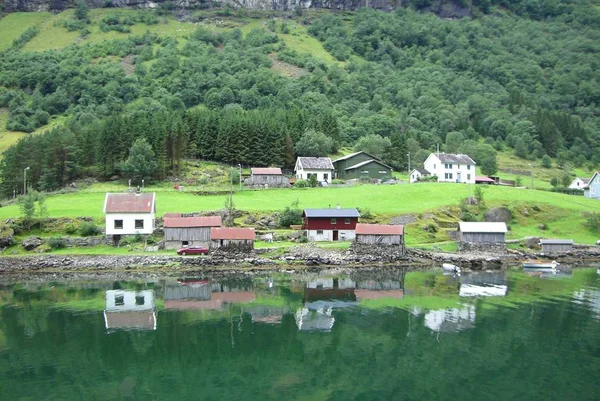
[240, 168]
[25, 180]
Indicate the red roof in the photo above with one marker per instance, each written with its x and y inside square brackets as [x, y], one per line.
[217, 233]
[479, 178]
[266, 171]
[379, 229]
[129, 203]
[187, 222]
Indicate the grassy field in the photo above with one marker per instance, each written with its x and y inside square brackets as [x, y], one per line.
[8, 138]
[14, 24]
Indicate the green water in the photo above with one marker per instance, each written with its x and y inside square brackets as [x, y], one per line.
[367, 336]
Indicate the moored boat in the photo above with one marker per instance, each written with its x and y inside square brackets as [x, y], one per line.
[449, 267]
[539, 264]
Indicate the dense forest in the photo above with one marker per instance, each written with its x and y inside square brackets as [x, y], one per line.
[404, 81]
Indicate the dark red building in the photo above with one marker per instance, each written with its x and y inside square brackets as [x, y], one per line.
[330, 224]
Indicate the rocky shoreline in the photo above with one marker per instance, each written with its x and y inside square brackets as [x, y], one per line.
[301, 257]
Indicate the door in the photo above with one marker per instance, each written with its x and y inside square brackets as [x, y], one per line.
[458, 177]
[335, 235]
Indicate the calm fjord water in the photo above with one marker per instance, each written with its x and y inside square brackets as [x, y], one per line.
[363, 336]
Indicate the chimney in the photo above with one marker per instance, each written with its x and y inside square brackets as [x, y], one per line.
[338, 206]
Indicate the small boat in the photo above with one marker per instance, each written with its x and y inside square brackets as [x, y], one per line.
[449, 267]
[539, 264]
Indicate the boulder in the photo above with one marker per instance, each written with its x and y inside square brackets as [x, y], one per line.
[533, 243]
[30, 243]
[7, 236]
[498, 214]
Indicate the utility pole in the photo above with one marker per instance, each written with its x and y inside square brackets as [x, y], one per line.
[25, 180]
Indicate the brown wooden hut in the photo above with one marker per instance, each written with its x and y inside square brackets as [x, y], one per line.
[232, 239]
[185, 231]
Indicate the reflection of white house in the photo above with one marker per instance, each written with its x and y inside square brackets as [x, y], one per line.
[320, 319]
[590, 299]
[452, 319]
[490, 290]
[328, 282]
[450, 167]
[128, 309]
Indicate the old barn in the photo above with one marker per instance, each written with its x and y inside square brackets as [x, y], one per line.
[185, 231]
[268, 177]
[482, 232]
[380, 234]
[556, 245]
[232, 239]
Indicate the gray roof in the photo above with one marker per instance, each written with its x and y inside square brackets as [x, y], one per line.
[422, 171]
[351, 155]
[455, 158]
[368, 162]
[319, 163]
[556, 242]
[331, 213]
[482, 227]
[585, 180]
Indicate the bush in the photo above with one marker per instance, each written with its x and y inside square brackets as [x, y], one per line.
[131, 240]
[291, 215]
[301, 184]
[70, 229]
[337, 181]
[431, 228]
[89, 229]
[593, 222]
[57, 243]
[365, 213]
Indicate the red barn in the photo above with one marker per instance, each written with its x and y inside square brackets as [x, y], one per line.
[330, 224]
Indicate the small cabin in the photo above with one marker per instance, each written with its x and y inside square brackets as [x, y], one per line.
[417, 175]
[556, 245]
[232, 239]
[330, 224]
[482, 232]
[182, 231]
[380, 234]
[268, 177]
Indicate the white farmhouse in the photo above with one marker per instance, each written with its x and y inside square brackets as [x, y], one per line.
[321, 167]
[579, 183]
[449, 167]
[129, 213]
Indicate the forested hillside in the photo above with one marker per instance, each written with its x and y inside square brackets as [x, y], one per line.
[245, 91]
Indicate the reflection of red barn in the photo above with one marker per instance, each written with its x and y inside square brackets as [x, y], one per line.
[370, 294]
[216, 301]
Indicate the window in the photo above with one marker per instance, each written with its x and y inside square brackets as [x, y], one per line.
[468, 177]
[448, 166]
[319, 232]
[448, 176]
[308, 175]
[346, 221]
[468, 167]
[333, 221]
[185, 243]
[434, 166]
[118, 224]
[325, 177]
[382, 172]
[365, 172]
[139, 224]
[139, 300]
[119, 300]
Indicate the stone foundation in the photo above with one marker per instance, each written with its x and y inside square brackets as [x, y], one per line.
[482, 247]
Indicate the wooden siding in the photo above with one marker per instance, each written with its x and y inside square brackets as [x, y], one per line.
[555, 248]
[232, 245]
[372, 239]
[193, 235]
[270, 180]
[489, 238]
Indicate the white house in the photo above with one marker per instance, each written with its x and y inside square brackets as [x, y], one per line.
[417, 174]
[129, 213]
[128, 309]
[450, 167]
[579, 183]
[321, 167]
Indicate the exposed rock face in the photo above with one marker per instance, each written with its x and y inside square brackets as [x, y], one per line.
[498, 214]
[442, 8]
[30, 243]
[6, 237]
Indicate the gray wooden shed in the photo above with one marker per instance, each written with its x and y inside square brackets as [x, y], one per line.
[556, 245]
[482, 232]
[380, 234]
[269, 176]
[185, 231]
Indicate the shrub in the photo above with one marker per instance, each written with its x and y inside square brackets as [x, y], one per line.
[89, 229]
[131, 240]
[70, 229]
[301, 184]
[337, 181]
[593, 222]
[57, 243]
[365, 213]
[431, 228]
[291, 215]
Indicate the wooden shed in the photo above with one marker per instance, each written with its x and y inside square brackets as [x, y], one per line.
[232, 239]
[556, 245]
[269, 177]
[482, 232]
[380, 234]
[184, 231]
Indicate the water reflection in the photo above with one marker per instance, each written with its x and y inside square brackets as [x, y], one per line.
[483, 284]
[206, 294]
[451, 319]
[130, 310]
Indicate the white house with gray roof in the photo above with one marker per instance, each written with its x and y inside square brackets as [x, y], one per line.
[321, 167]
[450, 167]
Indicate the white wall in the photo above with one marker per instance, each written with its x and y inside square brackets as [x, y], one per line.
[129, 303]
[129, 223]
[303, 174]
[435, 167]
[414, 177]
[327, 235]
[577, 184]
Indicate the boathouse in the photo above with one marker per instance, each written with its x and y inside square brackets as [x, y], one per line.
[482, 232]
[182, 231]
[556, 245]
[330, 224]
[380, 234]
[232, 239]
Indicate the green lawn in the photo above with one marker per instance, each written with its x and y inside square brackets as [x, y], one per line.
[14, 24]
